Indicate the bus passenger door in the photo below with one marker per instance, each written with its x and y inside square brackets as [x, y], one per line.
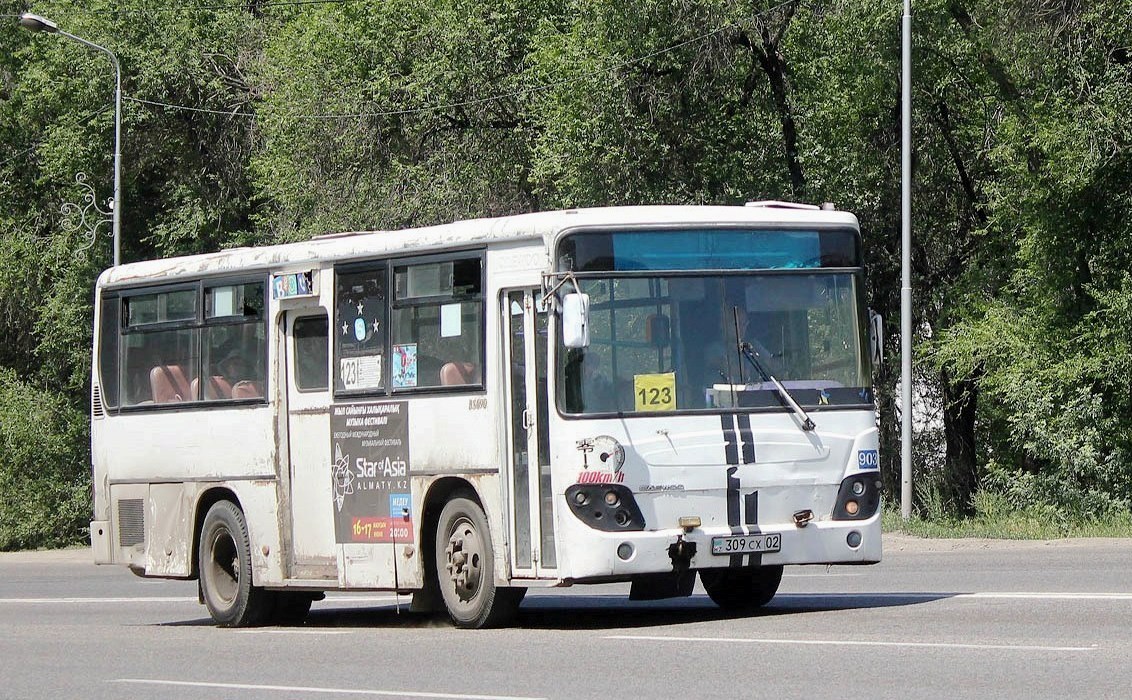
[313, 553]
[530, 497]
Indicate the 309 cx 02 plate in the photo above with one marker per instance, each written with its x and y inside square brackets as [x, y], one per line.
[747, 544]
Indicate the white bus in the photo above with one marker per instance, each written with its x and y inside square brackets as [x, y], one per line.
[461, 412]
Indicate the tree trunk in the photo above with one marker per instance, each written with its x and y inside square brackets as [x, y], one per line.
[959, 420]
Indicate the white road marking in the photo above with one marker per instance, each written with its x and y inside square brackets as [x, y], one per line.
[313, 689]
[173, 599]
[943, 595]
[293, 630]
[849, 643]
[88, 601]
[1050, 596]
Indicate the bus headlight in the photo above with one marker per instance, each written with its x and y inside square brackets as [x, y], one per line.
[608, 507]
[858, 498]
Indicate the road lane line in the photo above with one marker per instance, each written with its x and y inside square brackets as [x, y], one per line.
[849, 643]
[313, 689]
[295, 630]
[87, 601]
[943, 595]
[1050, 596]
[171, 599]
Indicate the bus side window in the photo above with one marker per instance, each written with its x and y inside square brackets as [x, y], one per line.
[235, 345]
[311, 356]
[437, 324]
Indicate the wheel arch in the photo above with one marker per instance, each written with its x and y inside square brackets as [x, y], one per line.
[205, 501]
[440, 492]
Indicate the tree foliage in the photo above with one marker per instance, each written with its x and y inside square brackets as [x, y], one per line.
[264, 121]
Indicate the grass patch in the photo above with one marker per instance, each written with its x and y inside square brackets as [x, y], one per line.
[995, 518]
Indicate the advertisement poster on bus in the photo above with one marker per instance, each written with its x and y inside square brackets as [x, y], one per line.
[370, 450]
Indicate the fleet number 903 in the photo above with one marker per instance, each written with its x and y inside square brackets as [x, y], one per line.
[747, 544]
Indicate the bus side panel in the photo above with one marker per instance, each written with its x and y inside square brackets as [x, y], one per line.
[169, 531]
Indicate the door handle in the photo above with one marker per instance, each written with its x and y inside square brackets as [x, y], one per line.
[528, 422]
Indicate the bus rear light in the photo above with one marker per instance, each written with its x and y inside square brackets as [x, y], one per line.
[858, 498]
[608, 507]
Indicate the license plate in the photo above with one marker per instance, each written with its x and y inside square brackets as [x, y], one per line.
[746, 544]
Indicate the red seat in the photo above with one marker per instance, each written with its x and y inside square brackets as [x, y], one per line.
[217, 387]
[169, 384]
[456, 373]
[246, 389]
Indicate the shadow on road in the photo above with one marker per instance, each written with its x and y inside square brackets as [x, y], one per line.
[541, 611]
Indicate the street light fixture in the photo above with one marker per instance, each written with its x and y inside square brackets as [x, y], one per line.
[36, 23]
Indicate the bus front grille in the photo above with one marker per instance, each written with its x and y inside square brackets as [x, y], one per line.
[131, 522]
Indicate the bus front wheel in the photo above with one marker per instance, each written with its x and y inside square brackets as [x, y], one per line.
[741, 589]
[465, 568]
[225, 568]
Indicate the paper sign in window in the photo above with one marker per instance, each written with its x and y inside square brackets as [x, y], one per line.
[655, 392]
[449, 320]
[404, 365]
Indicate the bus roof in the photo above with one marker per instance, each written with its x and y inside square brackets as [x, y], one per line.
[469, 233]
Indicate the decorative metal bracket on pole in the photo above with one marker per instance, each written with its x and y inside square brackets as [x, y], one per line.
[85, 216]
[36, 23]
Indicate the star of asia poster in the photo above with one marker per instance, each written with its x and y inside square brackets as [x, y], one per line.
[370, 471]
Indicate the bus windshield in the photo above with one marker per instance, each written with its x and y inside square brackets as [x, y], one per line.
[670, 342]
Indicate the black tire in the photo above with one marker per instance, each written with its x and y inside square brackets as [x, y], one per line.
[224, 560]
[741, 589]
[465, 569]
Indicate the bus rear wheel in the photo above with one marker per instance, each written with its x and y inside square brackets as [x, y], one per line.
[465, 568]
[741, 589]
[225, 567]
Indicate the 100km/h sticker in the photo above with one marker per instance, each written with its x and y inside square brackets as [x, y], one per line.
[747, 544]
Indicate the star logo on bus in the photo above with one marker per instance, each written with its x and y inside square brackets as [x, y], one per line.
[343, 476]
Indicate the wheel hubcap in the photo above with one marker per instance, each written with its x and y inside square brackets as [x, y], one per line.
[464, 555]
[224, 567]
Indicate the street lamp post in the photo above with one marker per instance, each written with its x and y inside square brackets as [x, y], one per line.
[35, 23]
[906, 264]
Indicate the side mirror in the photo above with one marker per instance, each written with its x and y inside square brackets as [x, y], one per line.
[576, 320]
[876, 337]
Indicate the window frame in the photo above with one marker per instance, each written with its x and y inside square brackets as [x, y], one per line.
[198, 324]
[294, 353]
[390, 264]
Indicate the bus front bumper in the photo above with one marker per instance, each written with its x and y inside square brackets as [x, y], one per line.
[615, 555]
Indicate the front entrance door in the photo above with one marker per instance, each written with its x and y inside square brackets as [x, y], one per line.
[313, 554]
[529, 487]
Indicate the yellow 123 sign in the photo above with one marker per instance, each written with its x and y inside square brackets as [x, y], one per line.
[655, 392]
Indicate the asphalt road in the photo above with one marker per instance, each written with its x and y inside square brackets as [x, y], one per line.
[938, 619]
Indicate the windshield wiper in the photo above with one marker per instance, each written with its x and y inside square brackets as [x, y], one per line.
[753, 357]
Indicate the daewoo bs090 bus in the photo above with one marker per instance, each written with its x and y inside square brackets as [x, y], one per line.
[462, 412]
